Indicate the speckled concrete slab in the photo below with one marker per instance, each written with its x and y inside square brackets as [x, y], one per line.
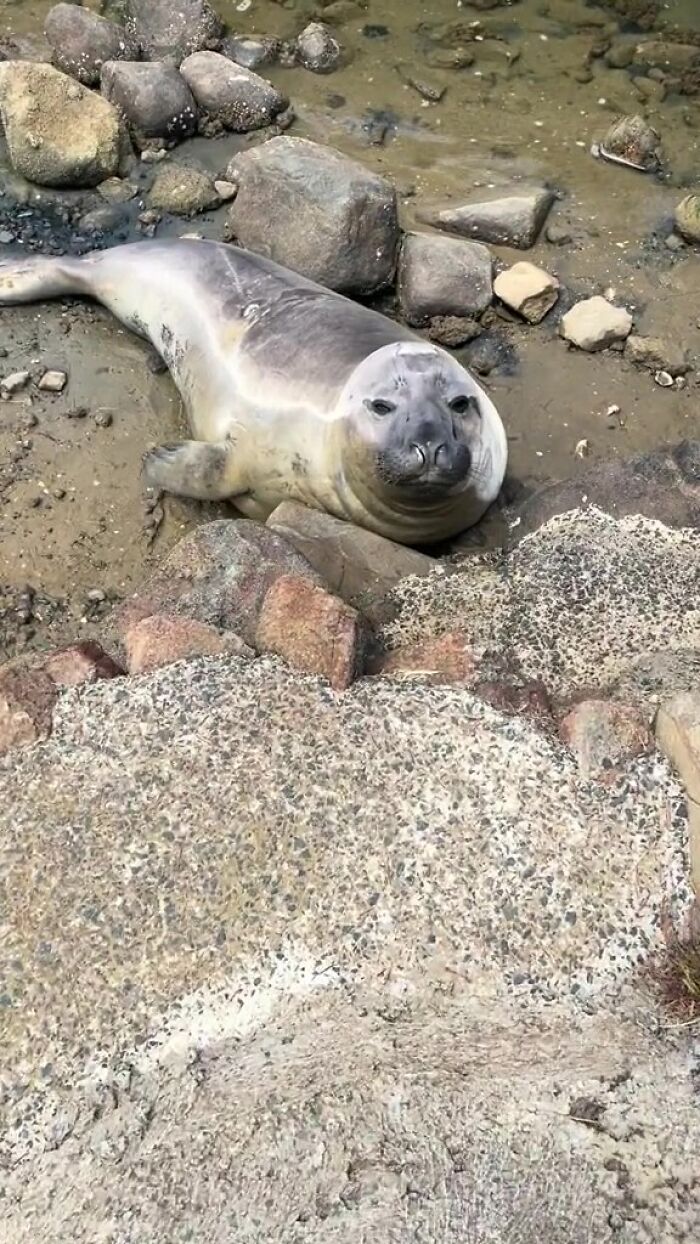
[284, 964]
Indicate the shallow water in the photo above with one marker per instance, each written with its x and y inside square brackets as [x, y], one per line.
[518, 111]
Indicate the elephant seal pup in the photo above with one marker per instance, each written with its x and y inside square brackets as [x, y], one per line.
[293, 392]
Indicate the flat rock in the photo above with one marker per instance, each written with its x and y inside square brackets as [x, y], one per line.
[317, 212]
[528, 290]
[317, 49]
[657, 355]
[53, 381]
[440, 660]
[605, 735]
[164, 29]
[58, 132]
[154, 98]
[442, 276]
[81, 663]
[595, 323]
[513, 220]
[240, 99]
[353, 562]
[161, 639]
[251, 51]
[117, 190]
[27, 698]
[671, 57]
[218, 575]
[317, 633]
[183, 190]
[82, 41]
[453, 331]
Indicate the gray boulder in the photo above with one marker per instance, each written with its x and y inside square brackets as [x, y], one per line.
[163, 28]
[317, 50]
[316, 211]
[513, 220]
[155, 99]
[443, 276]
[81, 42]
[237, 97]
[251, 51]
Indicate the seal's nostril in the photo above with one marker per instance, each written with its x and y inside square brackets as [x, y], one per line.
[420, 452]
[440, 452]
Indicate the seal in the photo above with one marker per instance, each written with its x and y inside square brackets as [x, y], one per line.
[293, 392]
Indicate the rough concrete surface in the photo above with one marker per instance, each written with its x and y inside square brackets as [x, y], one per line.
[283, 964]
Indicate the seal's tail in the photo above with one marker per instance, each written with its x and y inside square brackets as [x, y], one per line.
[35, 277]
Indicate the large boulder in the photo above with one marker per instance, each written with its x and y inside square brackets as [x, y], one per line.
[443, 276]
[58, 133]
[165, 29]
[316, 211]
[155, 99]
[240, 99]
[81, 42]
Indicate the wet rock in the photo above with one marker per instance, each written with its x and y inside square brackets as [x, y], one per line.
[632, 141]
[514, 220]
[288, 185]
[453, 331]
[117, 190]
[671, 57]
[14, 382]
[687, 218]
[442, 659]
[442, 276]
[353, 562]
[595, 323]
[619, 56]
[605, 735]
[317, 50]
[491, 352]
[155, 99]
[218, 575]
[664, 485]
[315, 632]
[58, 133]
[654, 354]
[27, 698]
[236, 97]
[182, 190]
[161, 639]
[527, 289]
[251, 51]
[103, 219]
[81, 42]
[53, 382]
[164, 29]
[557, 235]
[85, 662]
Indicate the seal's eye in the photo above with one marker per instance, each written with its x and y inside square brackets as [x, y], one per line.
[463, 405]
[380, 408]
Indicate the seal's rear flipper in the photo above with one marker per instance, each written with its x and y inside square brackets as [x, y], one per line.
[195, 469]
[35, 277]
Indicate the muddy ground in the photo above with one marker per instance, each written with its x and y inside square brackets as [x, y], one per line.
[75, 528]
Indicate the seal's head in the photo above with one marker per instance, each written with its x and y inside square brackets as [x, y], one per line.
[414, 419]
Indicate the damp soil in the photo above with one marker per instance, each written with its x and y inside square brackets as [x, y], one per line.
[76, 530]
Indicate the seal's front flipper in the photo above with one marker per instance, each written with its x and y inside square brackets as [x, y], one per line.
[195, 469]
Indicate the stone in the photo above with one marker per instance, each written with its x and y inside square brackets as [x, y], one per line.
[317, 50]
[226, 190]
[595, 323]
[240, 99]
[687, 218]
[117, 190]
[182, 190]
[655, 354]
[678, 735]
[164, 29]
[81, 663]
[353, 562]
[58, 133]
[154, 99]
[103, 219]
[219, 575]
[671, 57]
[34, 47]
[81, 42]
[53, 382]
[514, 220]
[605, 735]
[529, 699]
[251, 51]
[442, 276]
[443, 659]
[14, 382]
[317, 212]
[313, 631]
[453, 331]
[527, 290]
[160, 639]
[27, 698]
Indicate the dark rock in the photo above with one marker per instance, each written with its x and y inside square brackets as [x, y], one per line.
[27, 698]
[86, 662]
[155, 99]
[317, 50]
[443, 276]
[163, 28]
[237, 97]
[81, 42]
[316, 211]
[453, 331]
[530, 699]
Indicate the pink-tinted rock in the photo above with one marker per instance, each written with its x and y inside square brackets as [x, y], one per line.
[605, 735]
[160, 639]
[442, 659]
[27, 697]
[81, 663]
[530, 699]
[313, 630]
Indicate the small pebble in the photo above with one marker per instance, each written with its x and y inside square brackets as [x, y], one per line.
[664, 378]
[95, 596]
[53, 382]
[6, 237]
[104, 419]
[674, 243]
[225, 189]
[58, 493]
[79, 413]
